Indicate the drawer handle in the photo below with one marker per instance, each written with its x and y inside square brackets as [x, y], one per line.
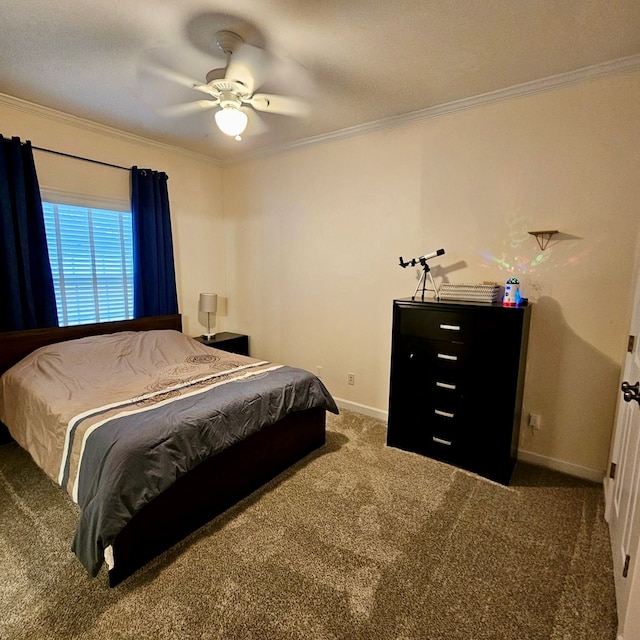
[447, 356]
[446, 385]
[448, 443]
[444, 414]
[450, 327]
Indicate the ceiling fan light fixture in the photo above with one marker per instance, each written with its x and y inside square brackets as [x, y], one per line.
[231, 121]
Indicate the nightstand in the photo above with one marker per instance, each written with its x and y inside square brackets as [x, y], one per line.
[227, 341]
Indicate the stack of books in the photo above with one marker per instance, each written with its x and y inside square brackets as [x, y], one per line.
[470, 292]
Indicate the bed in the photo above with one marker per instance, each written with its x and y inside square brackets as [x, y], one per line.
[202, 428]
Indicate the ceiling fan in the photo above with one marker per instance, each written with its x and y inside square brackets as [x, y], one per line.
[233, 88]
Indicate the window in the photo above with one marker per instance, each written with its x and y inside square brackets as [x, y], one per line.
[91, 255]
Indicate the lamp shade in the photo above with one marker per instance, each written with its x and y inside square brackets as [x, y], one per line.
[231, 121]
[208, 302]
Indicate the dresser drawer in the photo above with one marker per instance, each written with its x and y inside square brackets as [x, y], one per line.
[455, 326]
[443, 437]
[427, 431]
[448, 361]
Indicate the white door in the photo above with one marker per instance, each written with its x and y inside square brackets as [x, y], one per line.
[623, 491]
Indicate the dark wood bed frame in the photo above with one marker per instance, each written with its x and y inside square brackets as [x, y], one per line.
[210, 488]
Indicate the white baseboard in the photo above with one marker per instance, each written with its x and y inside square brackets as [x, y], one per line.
[586, 473]
[364, 409]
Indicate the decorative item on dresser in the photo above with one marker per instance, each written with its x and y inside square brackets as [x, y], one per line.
[457, 377]
[426, 272]
[227, 341]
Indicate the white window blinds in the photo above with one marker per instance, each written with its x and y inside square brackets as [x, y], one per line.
[91, 256]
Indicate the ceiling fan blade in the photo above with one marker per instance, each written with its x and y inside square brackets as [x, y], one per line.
[283, 105]
[256, 125]
[188, 108]
[248, 65]
[203, 88]
[166, 90]
[169, 74]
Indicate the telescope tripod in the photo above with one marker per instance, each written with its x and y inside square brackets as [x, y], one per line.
[426, 272]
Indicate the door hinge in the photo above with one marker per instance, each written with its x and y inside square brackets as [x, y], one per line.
[625, 570]
[612, 471]
[631, 344]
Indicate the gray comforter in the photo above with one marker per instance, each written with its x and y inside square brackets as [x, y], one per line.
[117, 419]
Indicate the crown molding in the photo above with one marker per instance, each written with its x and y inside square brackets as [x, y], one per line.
[621, 65]
[95, 127]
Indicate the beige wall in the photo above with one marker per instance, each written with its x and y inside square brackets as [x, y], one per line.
[314, 236]
[195, 189]
[303, 246]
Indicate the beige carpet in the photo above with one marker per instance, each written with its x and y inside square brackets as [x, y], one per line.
[359, 541]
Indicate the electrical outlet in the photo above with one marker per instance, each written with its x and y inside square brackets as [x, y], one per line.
[351, 378]
[319, 371]
[535, 420]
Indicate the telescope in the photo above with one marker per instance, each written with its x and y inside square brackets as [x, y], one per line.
[421, 259]
[426, 271]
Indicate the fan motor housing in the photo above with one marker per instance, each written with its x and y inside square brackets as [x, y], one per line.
[222, 85]
[230, 99]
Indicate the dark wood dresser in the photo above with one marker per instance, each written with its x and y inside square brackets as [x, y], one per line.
[457, 376]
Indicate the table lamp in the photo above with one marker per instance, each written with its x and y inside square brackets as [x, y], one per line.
[208, 305]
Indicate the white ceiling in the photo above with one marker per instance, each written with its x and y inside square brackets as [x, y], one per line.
[357, 61]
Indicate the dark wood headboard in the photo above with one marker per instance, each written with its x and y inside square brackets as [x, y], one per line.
[15, 345]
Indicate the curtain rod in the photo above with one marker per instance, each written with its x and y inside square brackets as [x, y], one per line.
[69, 155]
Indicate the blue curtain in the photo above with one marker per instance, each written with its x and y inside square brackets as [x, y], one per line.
[154, 276]
[27, 297]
